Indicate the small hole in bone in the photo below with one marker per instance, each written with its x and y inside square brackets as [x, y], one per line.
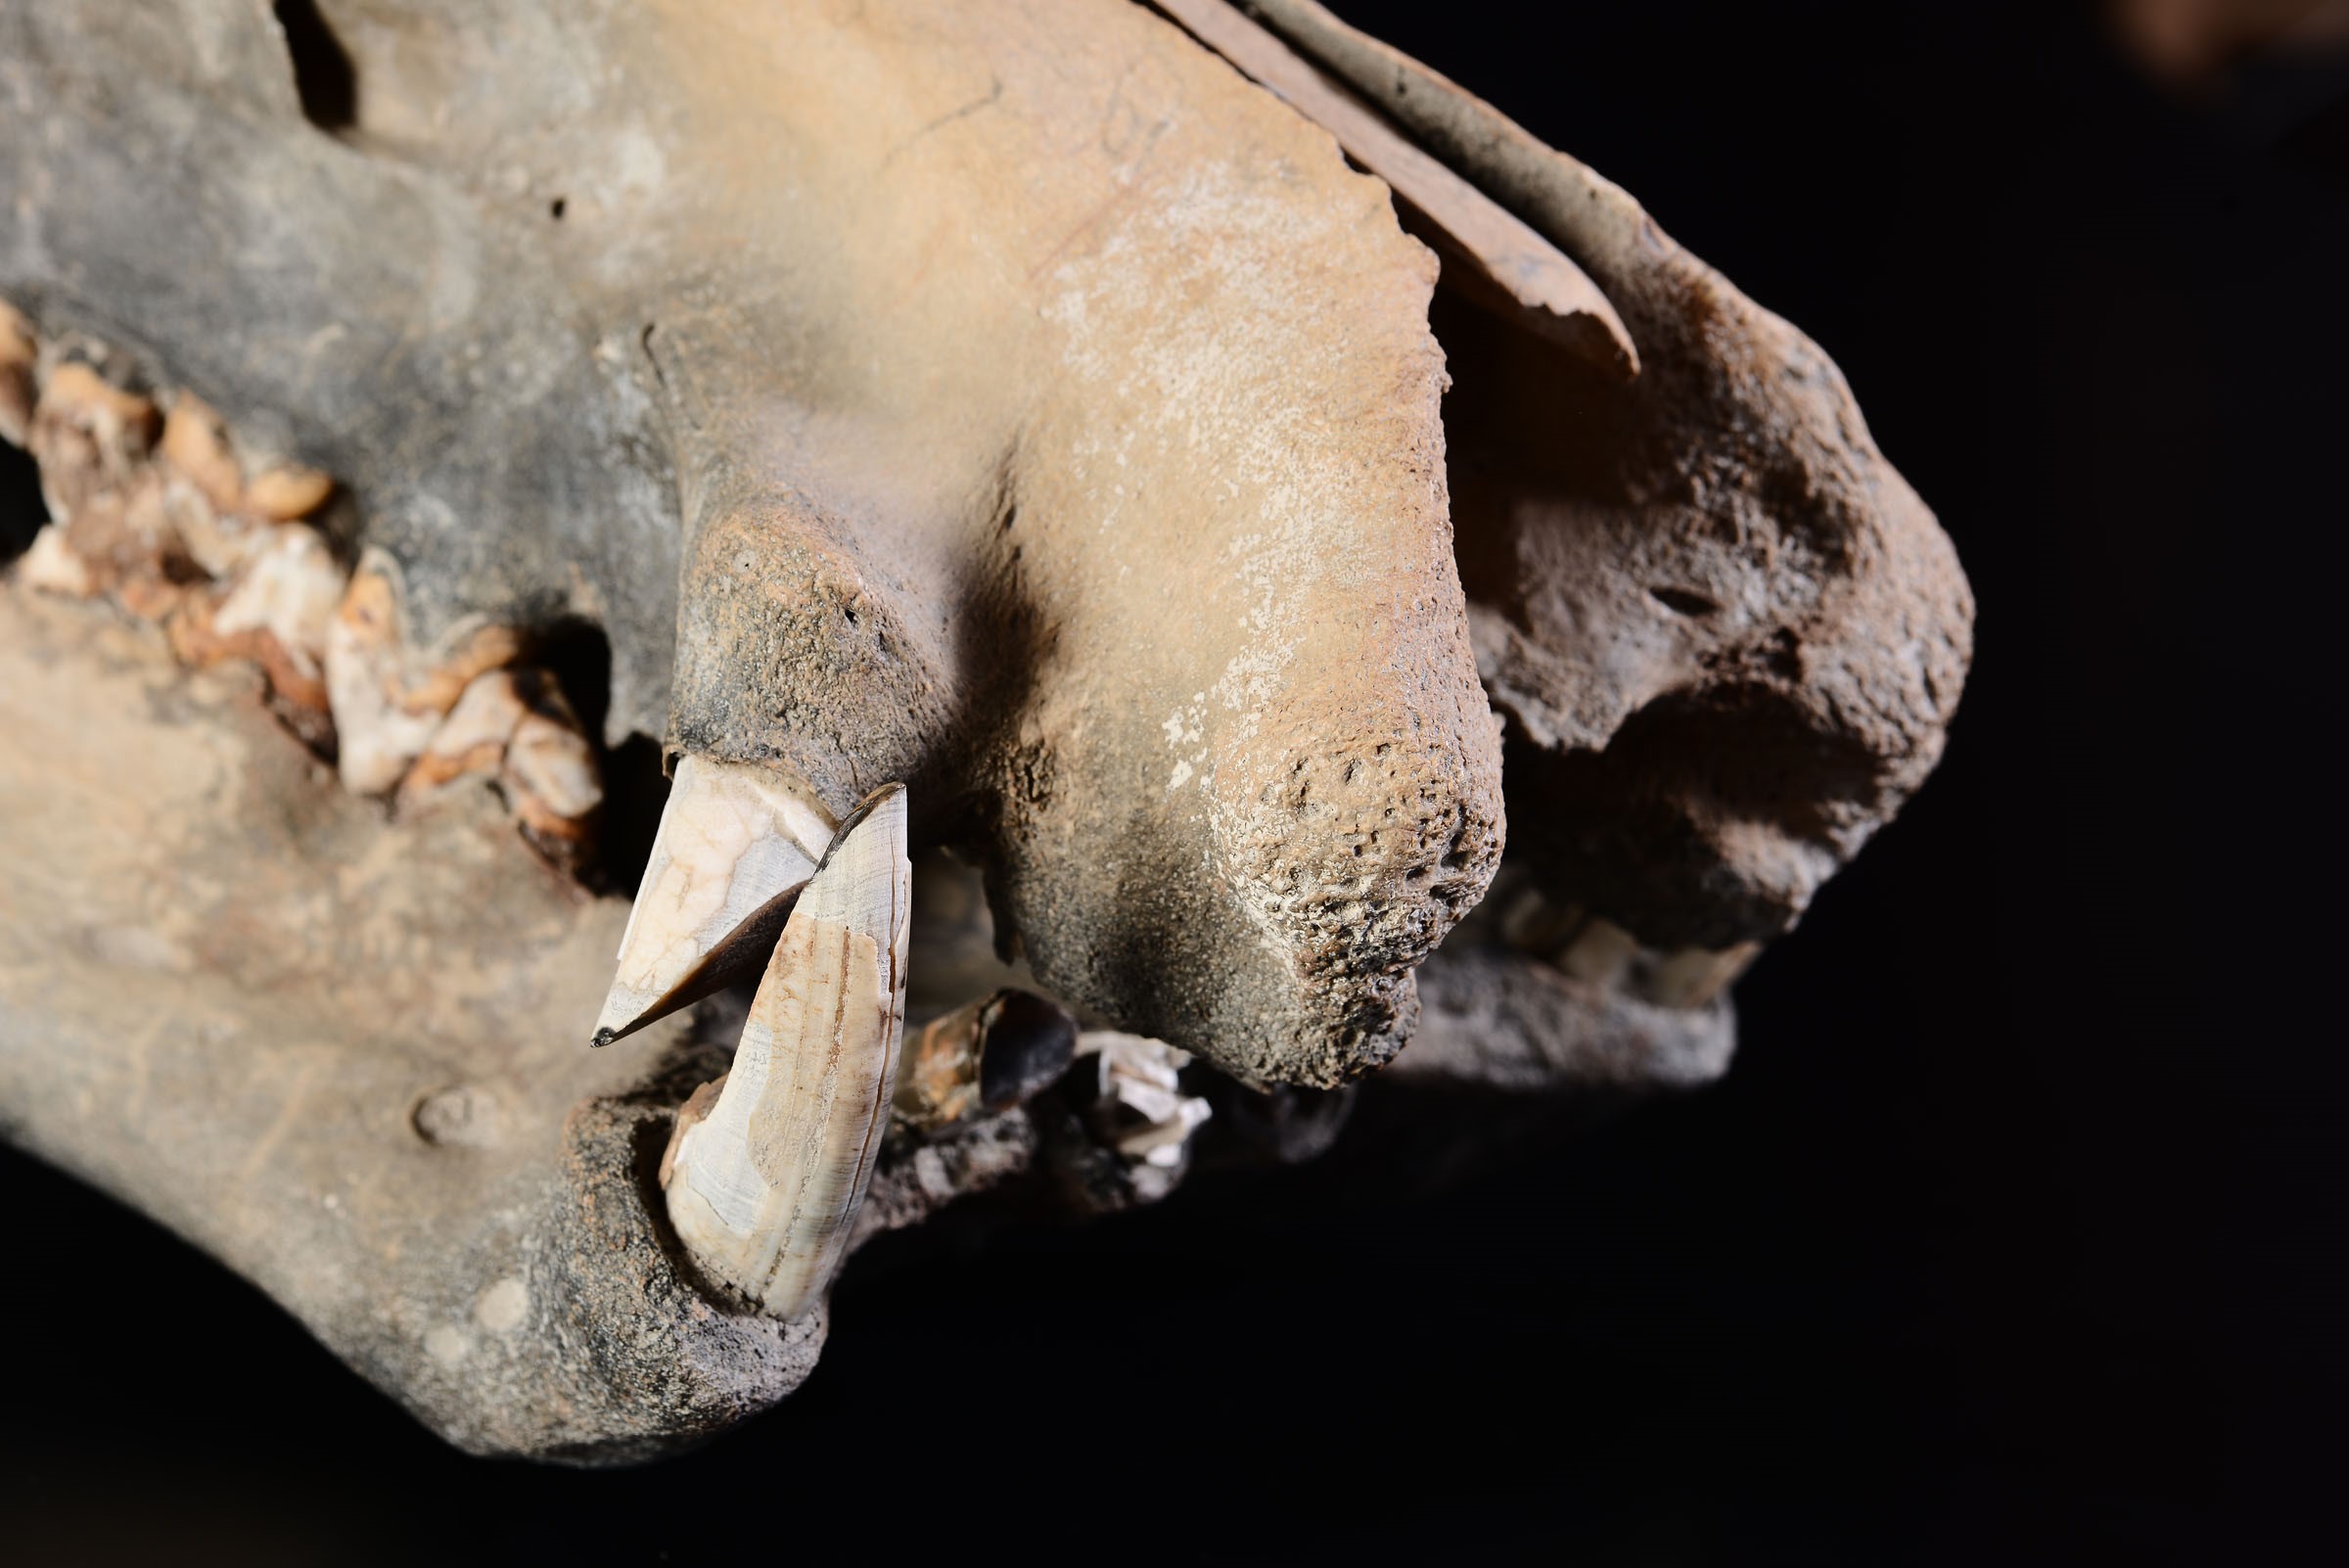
[1681, 601]
[554, 209]
[21, 513]
[323, 79]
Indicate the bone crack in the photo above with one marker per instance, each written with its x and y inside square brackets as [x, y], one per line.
[763, 1177]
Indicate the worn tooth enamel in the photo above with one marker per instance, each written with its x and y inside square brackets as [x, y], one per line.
[18, 388]
[469, 743]
[764, 1177]
[736, 843]
[551, 779]
[276, 611]
[985, 1056]
[389, 698]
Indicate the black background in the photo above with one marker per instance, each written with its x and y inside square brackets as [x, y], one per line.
[2013, 1235]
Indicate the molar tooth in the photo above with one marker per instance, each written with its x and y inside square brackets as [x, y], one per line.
[277, 612]
[471, 742]
[389, 699]
[768, 1166]
[552, 782]
[987, 1055]
[737, 842]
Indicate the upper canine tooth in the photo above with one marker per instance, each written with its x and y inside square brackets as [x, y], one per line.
[737, 842]
[764, 1180]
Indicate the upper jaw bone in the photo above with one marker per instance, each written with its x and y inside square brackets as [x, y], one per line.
[764, 1176]
[737, 842]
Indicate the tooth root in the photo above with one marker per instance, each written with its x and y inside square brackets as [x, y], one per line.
[763, 1180]
[737, 842]
[987, 1055]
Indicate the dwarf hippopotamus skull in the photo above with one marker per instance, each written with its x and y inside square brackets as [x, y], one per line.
[956, 586]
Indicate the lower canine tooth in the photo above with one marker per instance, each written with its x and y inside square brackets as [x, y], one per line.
[763, 1180]
[737, 842]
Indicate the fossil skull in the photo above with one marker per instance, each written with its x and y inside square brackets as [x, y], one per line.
[1011, 427]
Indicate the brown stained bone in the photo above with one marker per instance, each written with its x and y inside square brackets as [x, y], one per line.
[1486, 251]
[515, 727]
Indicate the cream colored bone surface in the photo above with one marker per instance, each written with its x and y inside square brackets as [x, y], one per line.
[762, 1186]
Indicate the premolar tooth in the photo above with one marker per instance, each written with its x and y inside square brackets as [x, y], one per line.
[551, 778]
[763, 1177]
[737, 842]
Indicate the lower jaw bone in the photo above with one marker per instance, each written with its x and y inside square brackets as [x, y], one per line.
[764, 1175]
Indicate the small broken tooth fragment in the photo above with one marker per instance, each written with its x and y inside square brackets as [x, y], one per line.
[987, 1055]
[196, 447]
[737, 842]
[763, 1177]
[18, 388]
[552, 782]
[1142, 1112]
[389, 699]
[52, 567]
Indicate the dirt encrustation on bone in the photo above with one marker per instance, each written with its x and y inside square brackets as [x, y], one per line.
[1728, 636]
